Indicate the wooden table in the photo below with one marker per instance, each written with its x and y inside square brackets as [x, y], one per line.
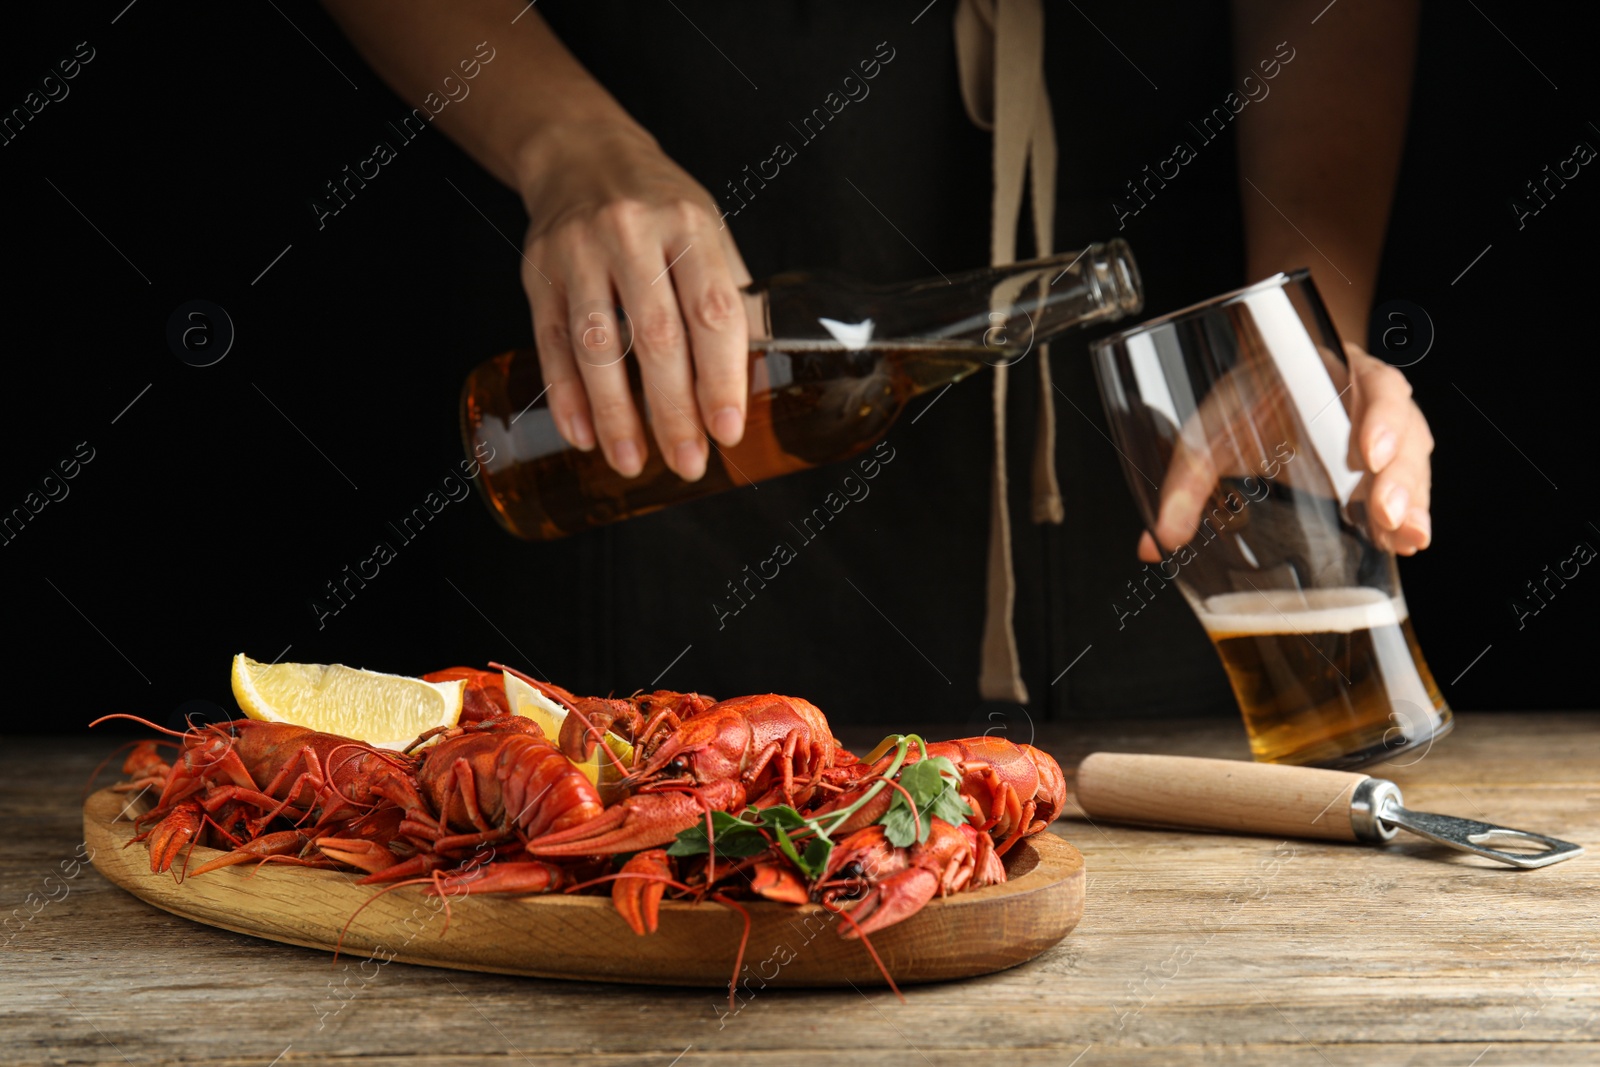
[1193, 948]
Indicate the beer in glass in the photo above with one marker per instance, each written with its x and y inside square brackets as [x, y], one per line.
[1236, 416]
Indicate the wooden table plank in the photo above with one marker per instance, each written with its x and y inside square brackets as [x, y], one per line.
[1194, 948]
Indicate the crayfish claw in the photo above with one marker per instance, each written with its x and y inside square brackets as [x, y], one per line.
[646, 820]
[595, 717]
[423, 863]
[637, 891]
[518, 876]
[174, 833]
[361, 853]
[897, 897]
[899, 881]
[283, 843]
[778, 881]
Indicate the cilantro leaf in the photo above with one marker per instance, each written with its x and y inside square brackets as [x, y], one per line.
[949, 806]
[735, 838]
[780, 815]
[787, 846]
[924, 779]
[738, 837]
[898, 825]
[815, 860]
[782, 819]
[935, 787]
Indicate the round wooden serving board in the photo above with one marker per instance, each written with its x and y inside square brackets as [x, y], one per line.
[583, 938]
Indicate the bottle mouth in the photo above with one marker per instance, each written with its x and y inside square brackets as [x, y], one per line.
[1117, 276]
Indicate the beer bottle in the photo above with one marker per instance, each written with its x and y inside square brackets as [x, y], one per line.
[832, 363]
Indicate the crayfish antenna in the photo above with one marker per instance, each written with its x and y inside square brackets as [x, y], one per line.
[188, 852]
[338, 945]
[862, 935]
[744, 940]
[424, 737]
[711, 850]
[438, 889]
[141, 722]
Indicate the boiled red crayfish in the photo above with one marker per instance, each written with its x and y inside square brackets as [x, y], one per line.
[883, 884]
[767, 749]
[1013, 790]
[237, 777]
[488, 785]
[492, 805]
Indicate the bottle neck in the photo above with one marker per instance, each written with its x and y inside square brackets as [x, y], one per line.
[1032, 303]
[998, 313]
[1102, 286]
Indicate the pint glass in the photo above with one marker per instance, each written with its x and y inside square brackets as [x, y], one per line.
[1235, 416]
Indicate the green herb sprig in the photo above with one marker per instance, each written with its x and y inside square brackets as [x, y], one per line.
[932, 784]
[935, 790]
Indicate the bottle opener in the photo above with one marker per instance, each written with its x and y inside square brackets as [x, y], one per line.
[1266, 798]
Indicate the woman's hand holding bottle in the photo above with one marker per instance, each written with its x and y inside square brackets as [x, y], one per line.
[614, 221]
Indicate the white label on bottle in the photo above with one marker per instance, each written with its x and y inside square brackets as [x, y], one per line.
[852, 335]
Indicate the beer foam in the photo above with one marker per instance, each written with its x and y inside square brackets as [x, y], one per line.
[1301, 611]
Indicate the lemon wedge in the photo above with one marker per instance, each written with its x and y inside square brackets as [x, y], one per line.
[384, 710]
[599, 768]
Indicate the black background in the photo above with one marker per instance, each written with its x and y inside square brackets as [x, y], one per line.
[206, 521]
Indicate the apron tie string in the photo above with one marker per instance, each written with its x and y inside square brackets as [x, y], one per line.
[1000, 62]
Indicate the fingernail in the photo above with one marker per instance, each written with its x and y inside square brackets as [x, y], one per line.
[625, 458]
[1420, 527]
[1382, 450]
[1394, 506]
[689, 459]
[582, 432]
[728, 425]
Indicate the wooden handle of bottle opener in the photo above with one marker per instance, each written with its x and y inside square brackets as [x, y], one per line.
[1218, 794]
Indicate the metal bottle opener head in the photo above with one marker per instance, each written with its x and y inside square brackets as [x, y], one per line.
[1376, 810]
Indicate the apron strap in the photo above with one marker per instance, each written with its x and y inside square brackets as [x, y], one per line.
[1000, 62]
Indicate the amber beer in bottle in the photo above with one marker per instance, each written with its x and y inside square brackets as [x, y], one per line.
[832, 363]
